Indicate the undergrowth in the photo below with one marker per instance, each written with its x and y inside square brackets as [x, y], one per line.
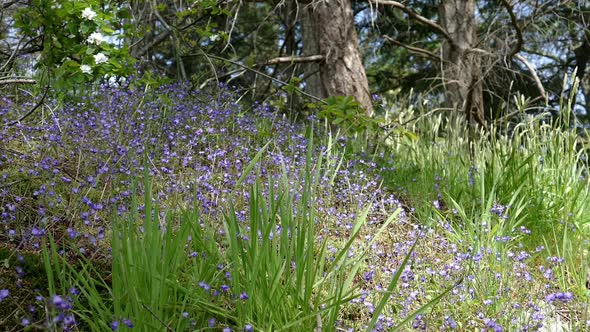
[215, 216]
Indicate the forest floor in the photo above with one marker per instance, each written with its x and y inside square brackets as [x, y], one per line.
[183, 210]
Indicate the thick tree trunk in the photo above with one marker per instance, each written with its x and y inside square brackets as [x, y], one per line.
[462, 73]
[328, 29]
[311, 72]
[582, 56]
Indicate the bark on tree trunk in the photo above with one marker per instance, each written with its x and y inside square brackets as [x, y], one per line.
[289, 15]
[462, 73]
[582, 55]
[328, 29]
[311, 71]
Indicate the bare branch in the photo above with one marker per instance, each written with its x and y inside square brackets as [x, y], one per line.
[32, 109]
[435, 26]
[27, 50]
[413, 49]
[174, 37]
[17, 81]
[159, 38]
[8, 4]
[519, 41]
[294, 59]
[542, 54]
[479, 51]
[261, 74]
[11, 58]
[233, 25]
[534, 74]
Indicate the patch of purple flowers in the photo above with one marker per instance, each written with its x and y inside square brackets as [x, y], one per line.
[559, 297]
[196, 146]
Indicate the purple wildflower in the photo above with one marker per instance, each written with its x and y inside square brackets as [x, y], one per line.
[127, 322]
[204, 286]
[60, 303]
[450, 322]
[4, 293]
[559, 296]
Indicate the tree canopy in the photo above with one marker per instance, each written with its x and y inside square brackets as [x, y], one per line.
[471, 56]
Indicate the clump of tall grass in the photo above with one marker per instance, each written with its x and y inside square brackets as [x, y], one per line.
[267, 273]
[492, 189]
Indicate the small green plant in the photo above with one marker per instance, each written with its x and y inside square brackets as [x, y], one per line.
[347, 113]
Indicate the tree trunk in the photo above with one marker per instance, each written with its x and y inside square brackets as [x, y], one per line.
[289, 16]
[582, 56]
[328, 29]
[289, 13]
[311, 71]
[462, 75]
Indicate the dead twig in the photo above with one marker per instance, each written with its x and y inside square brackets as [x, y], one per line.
[17, 81]
[32, 109]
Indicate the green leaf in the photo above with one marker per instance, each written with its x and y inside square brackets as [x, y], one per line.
[86, 27]
[411, 135]
[79, 77]
[70, 64]
[123, 13]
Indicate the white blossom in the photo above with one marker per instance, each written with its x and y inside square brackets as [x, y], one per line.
[88, 14]
[86, 69]
[95, 38]
[100, 58]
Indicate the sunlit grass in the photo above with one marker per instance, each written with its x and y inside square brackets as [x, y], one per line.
[508, 189]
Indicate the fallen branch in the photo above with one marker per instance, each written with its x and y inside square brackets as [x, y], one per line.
[32, 110]
[294, 59]
[18, 81]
